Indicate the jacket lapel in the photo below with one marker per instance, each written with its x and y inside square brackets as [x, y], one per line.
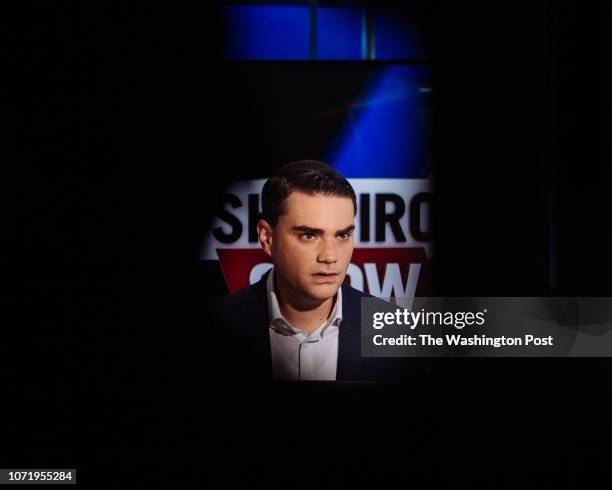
[350, 362]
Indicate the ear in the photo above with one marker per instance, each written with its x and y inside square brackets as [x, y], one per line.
[265, 232]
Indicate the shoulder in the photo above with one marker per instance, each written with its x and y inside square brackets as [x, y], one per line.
[350, 294]
[231, 299]
[240, 299]
[247, 300]
[356, 303]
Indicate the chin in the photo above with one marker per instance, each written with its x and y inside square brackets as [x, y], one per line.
[324, 292]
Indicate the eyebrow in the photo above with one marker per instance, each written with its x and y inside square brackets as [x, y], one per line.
[319, 231]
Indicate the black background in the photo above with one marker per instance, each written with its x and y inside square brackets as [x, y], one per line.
[118, 118]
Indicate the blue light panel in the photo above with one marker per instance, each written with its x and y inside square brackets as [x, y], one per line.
[339, 33]
[262, 32]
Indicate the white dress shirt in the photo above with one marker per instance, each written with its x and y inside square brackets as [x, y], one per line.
[296, 355]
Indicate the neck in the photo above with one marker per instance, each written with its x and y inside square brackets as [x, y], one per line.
[305, 315]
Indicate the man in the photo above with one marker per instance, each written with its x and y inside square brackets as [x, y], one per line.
[300, 321]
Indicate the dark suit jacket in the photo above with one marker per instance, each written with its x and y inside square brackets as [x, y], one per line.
[241, 324]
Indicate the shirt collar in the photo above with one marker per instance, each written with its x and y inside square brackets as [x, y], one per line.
[281, 325]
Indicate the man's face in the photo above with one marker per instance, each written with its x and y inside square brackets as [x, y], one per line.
[311, 245]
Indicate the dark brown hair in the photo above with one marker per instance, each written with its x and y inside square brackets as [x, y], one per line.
[308, 176]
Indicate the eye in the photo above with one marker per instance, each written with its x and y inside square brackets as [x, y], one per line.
[308, 236]
[345, 235]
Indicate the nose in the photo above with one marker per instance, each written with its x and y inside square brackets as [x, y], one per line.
[328, 253]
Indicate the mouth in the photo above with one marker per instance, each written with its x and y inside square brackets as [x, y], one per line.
[325, 277]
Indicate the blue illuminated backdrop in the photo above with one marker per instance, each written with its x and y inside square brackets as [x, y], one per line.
[262, 32]
[386, 133]
[282, 31]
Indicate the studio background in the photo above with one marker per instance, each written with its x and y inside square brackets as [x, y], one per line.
[119, 114]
